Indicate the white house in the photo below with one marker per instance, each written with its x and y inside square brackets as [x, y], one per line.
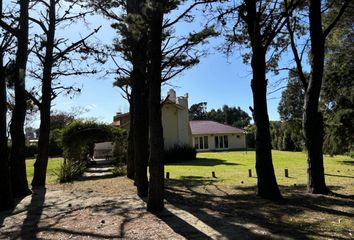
[178, 130]
[214, 136]
[175, 123]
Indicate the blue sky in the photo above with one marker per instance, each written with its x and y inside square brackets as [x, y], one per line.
[217, 80]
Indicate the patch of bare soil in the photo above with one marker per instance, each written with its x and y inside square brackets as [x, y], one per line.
[100, 209]
[109, 209]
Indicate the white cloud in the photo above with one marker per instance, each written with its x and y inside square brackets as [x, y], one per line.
[91, 106]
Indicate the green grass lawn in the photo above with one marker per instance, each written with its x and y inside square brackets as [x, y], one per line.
[233, 193]
[53, 166]
[231, 168]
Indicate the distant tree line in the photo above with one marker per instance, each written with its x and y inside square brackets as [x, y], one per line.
[233, 116]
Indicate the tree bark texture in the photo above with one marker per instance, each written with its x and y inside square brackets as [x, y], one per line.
[17, 155]
[138, 45]
[156, 164]
[40, 166]
[130, 150]
[312, 118]
[266, 181]
[6, 198]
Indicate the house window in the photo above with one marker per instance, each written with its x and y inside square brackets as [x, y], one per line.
[206, 143]
[226, 142]
[196, 145]
[221, 141]
[201, 142]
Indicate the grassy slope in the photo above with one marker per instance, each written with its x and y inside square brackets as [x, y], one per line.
[232, 168]
[53, 165]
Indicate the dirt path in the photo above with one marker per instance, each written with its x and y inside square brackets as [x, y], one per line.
[77, 211]
[109, 209]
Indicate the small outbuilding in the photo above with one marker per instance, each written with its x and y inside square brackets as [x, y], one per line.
[213, 136]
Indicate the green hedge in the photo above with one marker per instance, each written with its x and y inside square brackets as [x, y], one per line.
[180, 153]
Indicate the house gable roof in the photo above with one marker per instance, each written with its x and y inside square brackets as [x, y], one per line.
[211, 127]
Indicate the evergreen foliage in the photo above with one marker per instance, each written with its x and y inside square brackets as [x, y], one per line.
[337, 96]
[233, 116]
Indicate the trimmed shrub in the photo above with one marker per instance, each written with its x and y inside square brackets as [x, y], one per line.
[78, 138]
[120, 170]
[69, 170]
[180, 153]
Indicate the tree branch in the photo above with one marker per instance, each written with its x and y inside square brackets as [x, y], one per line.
[336, 19]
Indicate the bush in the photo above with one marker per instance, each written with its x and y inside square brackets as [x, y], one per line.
[55, 148]
[69, 170]
[351, 154]
[120, 170]
[119, 150]
[78, 138]
[180, 153]
[31, 151]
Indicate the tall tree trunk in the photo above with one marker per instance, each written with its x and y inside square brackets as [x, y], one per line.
[138, 46]
[156, 165]
[6, 199]
[141, 135]
[267, 183]
[40, 166]
[312, 118]
[130, 151]
[17, 157]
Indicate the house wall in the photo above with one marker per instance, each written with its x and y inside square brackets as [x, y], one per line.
[170, 125]
[184, 129]
[175, 122]
[233, 140]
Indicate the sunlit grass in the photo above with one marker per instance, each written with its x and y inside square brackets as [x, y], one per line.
[53, 166]
[232, 168]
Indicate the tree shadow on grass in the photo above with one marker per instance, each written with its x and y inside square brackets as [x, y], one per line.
[203, 162]
[347, 162]
[240, 213]
[337, 175]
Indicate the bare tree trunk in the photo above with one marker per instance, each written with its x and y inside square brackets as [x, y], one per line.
[130, 151]
[156, 165]
[141, 136]
[17, 157]
[138, 44]
[40, 166]
[267, 183]
[312, 119]
[6, 199]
